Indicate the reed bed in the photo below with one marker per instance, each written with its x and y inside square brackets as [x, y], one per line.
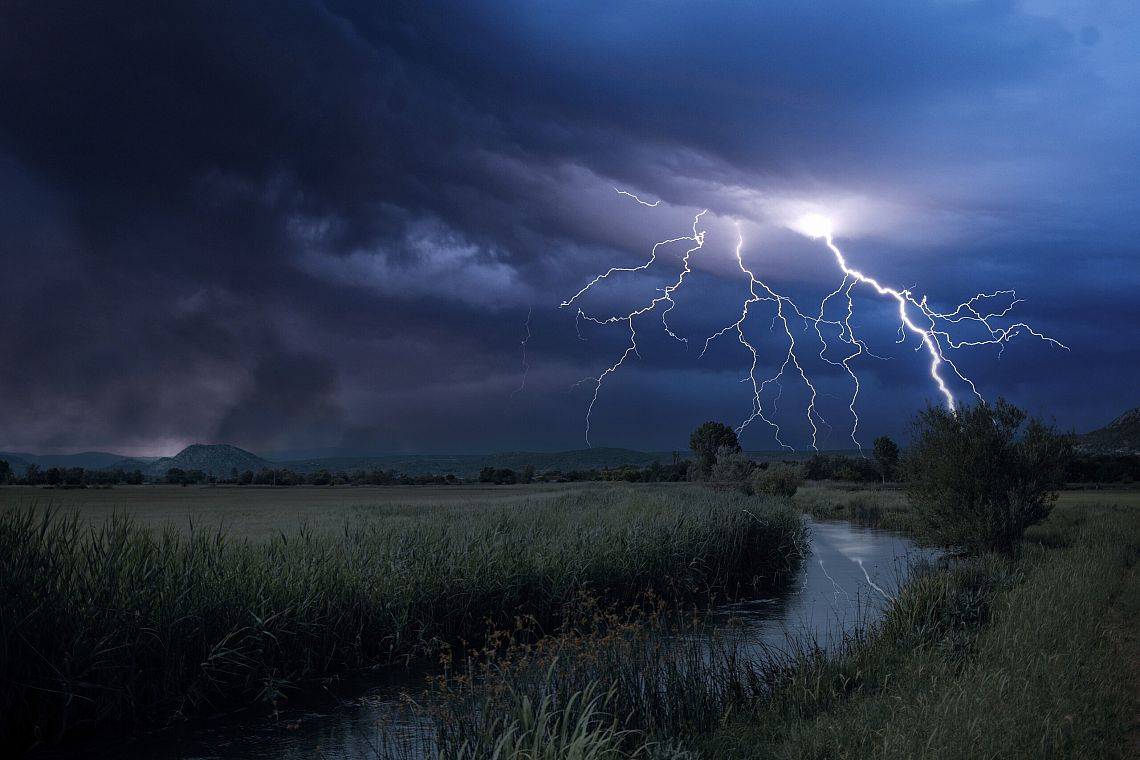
[124, 623]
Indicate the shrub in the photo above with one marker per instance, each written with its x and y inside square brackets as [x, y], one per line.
[731, 466]
[777, 480]
[978, 476]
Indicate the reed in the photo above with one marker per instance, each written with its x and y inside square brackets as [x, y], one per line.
[125, 623]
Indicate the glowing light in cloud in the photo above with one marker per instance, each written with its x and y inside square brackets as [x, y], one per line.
[814, 226]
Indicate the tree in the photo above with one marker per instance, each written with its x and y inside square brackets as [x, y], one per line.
[706, 442]
[5, 471]
[977, 477]
[886, 453]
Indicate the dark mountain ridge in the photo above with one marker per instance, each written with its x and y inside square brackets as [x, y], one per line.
[1121, 436]
[217, 459]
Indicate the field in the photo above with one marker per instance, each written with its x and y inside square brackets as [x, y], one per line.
[155, 601]
[118, 620]
[256, 512]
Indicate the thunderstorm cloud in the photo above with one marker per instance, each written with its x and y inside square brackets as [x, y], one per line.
[321, 224]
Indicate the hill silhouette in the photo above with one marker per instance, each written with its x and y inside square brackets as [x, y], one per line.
[1121, 436]
[219, 459]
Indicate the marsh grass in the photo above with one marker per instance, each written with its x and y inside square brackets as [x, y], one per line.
[881, 507]
[979, 657]
[123, 623]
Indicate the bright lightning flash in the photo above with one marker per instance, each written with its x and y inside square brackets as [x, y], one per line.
[838, 342]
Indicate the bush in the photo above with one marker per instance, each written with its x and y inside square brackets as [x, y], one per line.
[707, 441]
[979, 476]
[777, 480]
[732, 466]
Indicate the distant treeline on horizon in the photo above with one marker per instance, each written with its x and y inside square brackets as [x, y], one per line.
[1083, 468]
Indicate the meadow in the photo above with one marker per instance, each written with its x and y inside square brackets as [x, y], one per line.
[143, 617]
[262, 512]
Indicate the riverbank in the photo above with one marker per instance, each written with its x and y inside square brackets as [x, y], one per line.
[995, 658]
[123, 623]
[988, 657]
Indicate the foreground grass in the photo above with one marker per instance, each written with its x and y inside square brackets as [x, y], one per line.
[1024, 660]
[985, 658]
[122, 622]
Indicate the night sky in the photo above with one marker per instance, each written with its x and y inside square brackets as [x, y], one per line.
[305, 226]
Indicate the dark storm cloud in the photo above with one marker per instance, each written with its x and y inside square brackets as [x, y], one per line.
[322, 223]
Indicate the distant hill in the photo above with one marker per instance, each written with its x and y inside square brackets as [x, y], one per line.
[213, 459]
[1121, 436]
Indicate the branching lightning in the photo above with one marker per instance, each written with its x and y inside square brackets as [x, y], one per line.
[643, 203]
[839, 344]
[522, 345]
[698, 239]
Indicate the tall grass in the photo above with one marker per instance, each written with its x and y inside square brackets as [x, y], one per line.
[993, 658]
[124, 623]
[981, 657]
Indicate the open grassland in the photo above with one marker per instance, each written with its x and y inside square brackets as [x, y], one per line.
[121, 621]
[886, 506]
[262, 512]
[1033, 657]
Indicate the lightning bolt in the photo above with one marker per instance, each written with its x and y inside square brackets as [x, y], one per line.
[931, 337]
[643, 203]
[782, 303]
[839, 344]
[522, 344]
[697, 238]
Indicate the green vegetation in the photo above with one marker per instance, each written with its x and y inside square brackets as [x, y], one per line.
[711, 441]
[989, 656]
[124, 622]
[886, 453]
[978, 476]
[776, 480]
[879, 506]
[992, 658]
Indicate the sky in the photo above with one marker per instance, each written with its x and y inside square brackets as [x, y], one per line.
[321, 226]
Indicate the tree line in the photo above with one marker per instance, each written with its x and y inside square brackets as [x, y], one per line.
[717, 457]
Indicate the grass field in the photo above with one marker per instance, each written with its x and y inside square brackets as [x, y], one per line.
[261, 512]
[122, 621]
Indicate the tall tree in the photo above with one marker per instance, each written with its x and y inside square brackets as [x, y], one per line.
[886, 453]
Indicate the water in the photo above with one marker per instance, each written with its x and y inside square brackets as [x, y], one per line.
[845, 582]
